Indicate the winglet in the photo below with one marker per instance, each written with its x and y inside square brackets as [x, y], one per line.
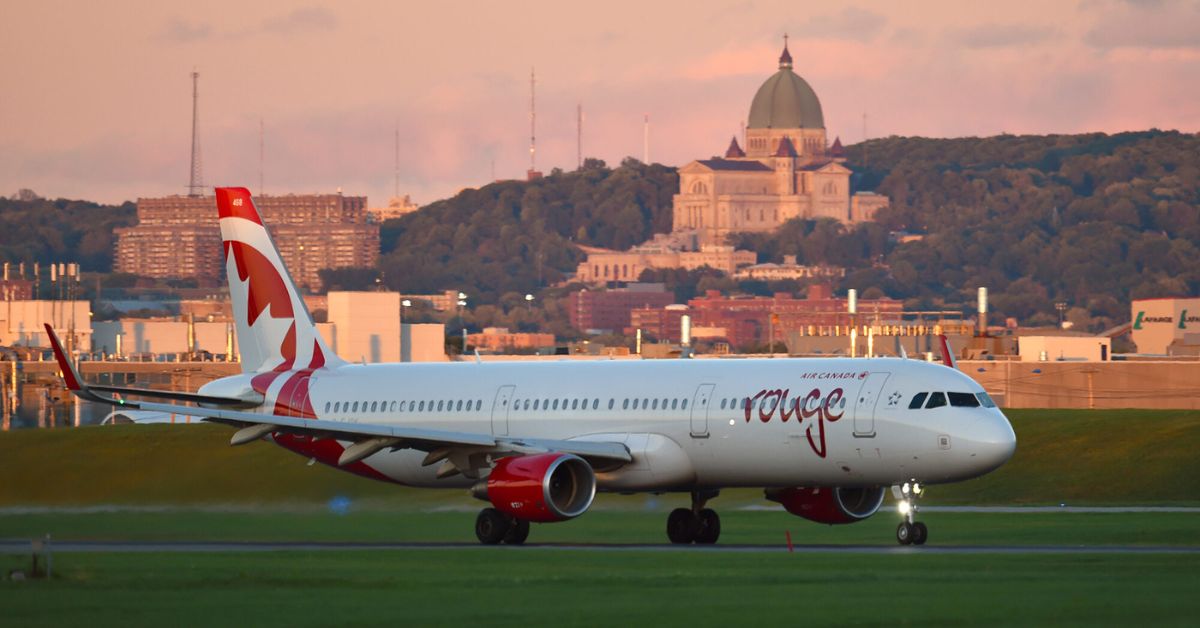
[947, 355]
[71, 378]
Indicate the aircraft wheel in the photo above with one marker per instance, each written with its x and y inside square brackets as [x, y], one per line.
[904, 533]
[517, 532]
[920, 533]
[491, 526]
[681, 526]
[709, 527]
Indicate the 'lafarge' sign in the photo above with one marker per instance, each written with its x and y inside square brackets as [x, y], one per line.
[1159, 323]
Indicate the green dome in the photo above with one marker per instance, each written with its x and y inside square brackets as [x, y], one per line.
[786, 101]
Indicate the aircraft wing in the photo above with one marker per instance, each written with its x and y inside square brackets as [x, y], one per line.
[368, 438]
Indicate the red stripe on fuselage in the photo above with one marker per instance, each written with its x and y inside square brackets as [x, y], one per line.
[326, 451]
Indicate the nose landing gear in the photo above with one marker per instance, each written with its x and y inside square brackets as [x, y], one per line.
[910, 532]
[697, 524]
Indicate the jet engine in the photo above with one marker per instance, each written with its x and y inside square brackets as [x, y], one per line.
[542, 487]
[829, 505]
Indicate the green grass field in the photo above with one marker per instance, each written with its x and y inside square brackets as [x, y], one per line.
[185, 483]
[1075, 456]
[528, 586]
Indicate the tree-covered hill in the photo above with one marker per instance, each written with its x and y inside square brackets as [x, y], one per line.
[517, 237]
[42, 230]
[1093, 220]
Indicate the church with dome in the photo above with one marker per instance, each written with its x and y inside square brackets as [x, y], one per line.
[786, 170]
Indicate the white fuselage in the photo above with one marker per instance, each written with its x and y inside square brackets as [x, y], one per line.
[686, 422]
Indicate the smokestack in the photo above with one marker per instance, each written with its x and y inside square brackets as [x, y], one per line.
[852, 301]
[983, 308]
[685, 330]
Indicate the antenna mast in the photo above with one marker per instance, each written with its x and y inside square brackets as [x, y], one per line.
[579, 135]
[262, 133]
[397, 191]
[532, 122]
[196, 184]
[646, 140]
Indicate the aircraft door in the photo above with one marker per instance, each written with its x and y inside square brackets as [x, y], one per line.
[500, 408]
[864, 404]
[299, 400]
[700, 410]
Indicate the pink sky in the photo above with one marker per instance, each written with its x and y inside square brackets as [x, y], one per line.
[97, 96]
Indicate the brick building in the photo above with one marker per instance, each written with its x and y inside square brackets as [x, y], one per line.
[609, 310]
[178, 236]
[750, 321]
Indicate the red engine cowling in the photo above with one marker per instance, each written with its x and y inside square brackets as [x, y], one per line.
[829, 505]
[542, 487]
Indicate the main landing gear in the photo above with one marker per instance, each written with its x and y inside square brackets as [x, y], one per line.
[493, 527]
[698, 524]
[910, 532]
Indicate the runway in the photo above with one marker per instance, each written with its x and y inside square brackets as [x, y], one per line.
[15, 546]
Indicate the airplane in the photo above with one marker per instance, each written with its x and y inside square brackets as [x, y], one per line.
[826, 438]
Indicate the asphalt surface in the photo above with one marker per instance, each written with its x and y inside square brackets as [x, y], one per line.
[14, 546]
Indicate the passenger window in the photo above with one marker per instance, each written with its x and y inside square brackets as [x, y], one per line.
[963, 400]
[645, 404]
[574, 404]
[596, 404]
[536, 404]
[625, 404]
[985, 400]
[664, 406]
[392, 407]
[917, 400]
[635, 404]
[611, 403]
[655, 406]
[685, 404]
[555, 404]
[936, 400]
[722, 404]
[674, 404]
[421, 407]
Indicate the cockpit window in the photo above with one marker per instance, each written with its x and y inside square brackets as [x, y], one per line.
[917, 400]
[963, 400]
[985, 400]
[936, 400]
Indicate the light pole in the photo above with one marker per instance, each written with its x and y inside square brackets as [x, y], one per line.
[1061, 306]
[529, 302]
[462, 302]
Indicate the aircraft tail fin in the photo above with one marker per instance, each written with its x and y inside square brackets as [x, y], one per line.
[275, 331]
[947, 354]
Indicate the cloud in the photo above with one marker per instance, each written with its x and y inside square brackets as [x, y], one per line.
[301, 20]
[851, 23]
[298, 21]
[182, 31]
[1147, 25]
[1002, 35]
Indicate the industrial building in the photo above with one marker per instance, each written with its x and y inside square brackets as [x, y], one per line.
[1167, 326]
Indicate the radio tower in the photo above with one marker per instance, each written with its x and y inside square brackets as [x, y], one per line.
[533, 172]
[646, 140]
[196, 185]
[579, 135]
